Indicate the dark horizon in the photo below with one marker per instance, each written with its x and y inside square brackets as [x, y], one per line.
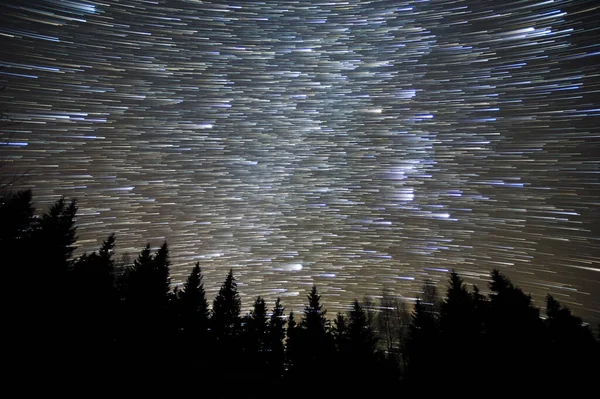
[115, 326]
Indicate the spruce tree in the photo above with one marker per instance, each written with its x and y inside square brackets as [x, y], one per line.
[194, 306]
[16, 222]
[55, 237]
[93, 302]
[226, 310]
[293, 341]
[314, 320]
[513, 331]
[275, 338]
[571, 344]
[456, 317]
[16, 214]
[139, 279]
[317, 342]
[340, 333]
[459, 330]
[256, 328]
[162, 271]
[361, 337]
[422, 344]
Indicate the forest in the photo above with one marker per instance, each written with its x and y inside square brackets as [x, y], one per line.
[92, 321]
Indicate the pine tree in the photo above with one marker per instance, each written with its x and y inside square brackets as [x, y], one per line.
[226, 310]
[256, 328]
[422, 344]
[292, 347]
[275, 345]
[456, 316]
[314, 315]
[340, 333]
[162, 270]
[94, 302]
[146, 315]
[571, 347]
[139, 279]
[194, 306]
[55, 237]
[513, 331]
[317, 342]
[16, 221]
[16, 214]
[459, 330]
[48, 262]
[362, 339]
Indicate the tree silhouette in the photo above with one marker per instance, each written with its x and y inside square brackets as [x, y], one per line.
[314, 315]
[393, 323]
[340, 334]
[47, 262]
[147, 321]
[422, 344]
[572, 345]
[94, 301]
[317, 344]
[429, 299]
[162, 269]
[362, 339]
[140, 282]
[274, 344]
[54, 237]
[459, 330]
[16, 220]
[386, 320]
[16, 214]
[194, 306]
[255, 333]
[226, 328]
[292, 348]
[226, 310]
[514, 332]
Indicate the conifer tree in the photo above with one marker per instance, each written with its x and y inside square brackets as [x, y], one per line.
[53, 239]
[314, 316]
[292, 347]
[513, 331]
[93, 300]
[139, 278]
[275, 338]
[456, 318]
[16, 214]
[317, 342]
[48, 262]
[194, 306]
[147, 319]
[162, 271]
[226, 310]
[256, 328]
[459, 329]
[571, 347]
[340, 333]
[362, 339]
[16, 223]
[422, 344]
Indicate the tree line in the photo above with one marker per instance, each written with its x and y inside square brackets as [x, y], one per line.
[94, 318]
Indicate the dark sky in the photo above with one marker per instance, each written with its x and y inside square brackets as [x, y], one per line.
[350, 144]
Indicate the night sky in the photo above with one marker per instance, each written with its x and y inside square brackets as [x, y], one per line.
[349, 144]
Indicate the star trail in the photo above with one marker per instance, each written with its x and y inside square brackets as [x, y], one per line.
[348, 144]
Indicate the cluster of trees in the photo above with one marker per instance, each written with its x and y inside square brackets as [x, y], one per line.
[126, 320]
